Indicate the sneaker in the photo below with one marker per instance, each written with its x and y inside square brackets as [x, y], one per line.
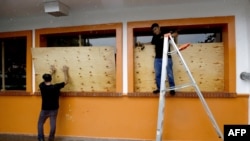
[172, 92]
[156, 91]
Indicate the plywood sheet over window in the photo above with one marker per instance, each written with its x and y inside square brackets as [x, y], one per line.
[91, 69]
[205, 61]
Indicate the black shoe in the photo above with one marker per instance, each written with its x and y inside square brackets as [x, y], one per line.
[156, 91]
[172, 92]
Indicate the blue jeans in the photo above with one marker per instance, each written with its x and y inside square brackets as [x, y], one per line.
[170, 75]
[44, 115]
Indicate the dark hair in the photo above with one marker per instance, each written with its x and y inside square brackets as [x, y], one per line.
[154, 25]
[47, 77]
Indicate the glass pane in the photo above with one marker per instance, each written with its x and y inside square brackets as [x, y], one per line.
[199, 38]
[189, 38]
[14, 66]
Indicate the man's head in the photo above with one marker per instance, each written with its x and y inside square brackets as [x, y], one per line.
[155, 28]
[47, 77]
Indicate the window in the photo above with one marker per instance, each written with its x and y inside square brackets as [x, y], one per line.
[103, 35]
[199, 63]
[224, 28]
[191, 35]
[13, 66]
[88, 38]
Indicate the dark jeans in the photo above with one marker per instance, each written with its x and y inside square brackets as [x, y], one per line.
[44, 115]
[170, 75]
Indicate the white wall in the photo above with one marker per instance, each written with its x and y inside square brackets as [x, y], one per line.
[248, 39]
[242, 47]
[238, 8]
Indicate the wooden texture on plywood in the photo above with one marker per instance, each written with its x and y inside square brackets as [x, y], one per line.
[144, 69]
[205, 61]
[91, 69]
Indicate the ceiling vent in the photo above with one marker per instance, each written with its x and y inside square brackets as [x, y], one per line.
[55, 8]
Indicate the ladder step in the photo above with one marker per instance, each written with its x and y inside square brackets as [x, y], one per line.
[180, 86]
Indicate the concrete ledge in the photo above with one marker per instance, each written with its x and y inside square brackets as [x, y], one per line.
[24, 137]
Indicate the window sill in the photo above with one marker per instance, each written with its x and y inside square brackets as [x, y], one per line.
[186, 94]
[134, 94]
[14, 93]
[87, 94]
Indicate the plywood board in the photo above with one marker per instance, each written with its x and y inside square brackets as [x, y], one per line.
[91, 69]
[144, 69]
[205, 61]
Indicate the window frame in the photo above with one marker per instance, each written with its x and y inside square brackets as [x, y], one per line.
[40, 42]
[228, 38]
[28, 35]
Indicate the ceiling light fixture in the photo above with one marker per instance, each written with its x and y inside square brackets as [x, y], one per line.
[55, 8]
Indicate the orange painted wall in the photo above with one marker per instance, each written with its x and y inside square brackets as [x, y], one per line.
[124, 117]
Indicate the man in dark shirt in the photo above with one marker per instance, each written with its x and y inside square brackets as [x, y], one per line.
[158, 41]
[50, 102]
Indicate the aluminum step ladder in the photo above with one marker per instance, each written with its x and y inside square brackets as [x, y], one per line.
[161, 108]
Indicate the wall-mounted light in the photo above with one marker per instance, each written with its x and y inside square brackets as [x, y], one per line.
[245, 76]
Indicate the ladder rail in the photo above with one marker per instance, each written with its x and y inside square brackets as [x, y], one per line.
[161, 106]
[207, 109]
[180, 86]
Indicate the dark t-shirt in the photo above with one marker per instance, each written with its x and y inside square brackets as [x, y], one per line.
[50, 95]
[158, 41]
